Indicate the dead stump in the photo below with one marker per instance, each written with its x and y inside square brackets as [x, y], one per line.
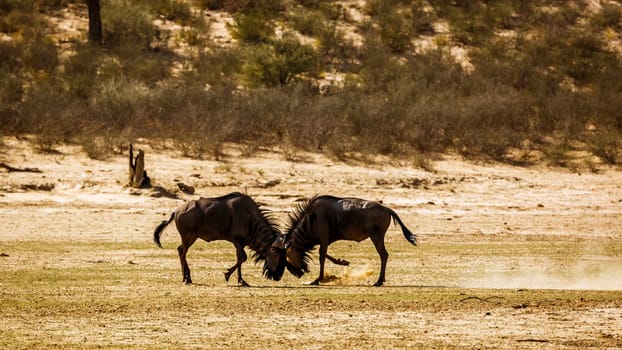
[137, 174]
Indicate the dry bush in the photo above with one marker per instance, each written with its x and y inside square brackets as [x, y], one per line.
[606, 145]
[547, 82]
[308, 22]
[336, 53]
[422, 20]
[11, 93]
[100, 143]
[127, 23]
[280, 62]
[178, 11]
[557, 153]
[251, 27]
[376, 8]
[609, 17]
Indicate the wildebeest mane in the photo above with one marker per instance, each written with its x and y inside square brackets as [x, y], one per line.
[300, 231]
[298, 212]
[264, 231]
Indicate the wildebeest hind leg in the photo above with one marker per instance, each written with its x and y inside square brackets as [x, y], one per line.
[183, 251]
[338, 261]
[378, 241]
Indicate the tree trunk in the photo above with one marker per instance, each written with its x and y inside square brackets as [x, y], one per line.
[95, 22]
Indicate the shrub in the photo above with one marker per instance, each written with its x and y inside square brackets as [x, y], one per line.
[335, 51]
[606, 145]
[120, 103]
[211, 4]
[299, 58]
[308, 22]
[152, 69]
[311, 4]
[234, 6]
[253, 27]
[218, 66]
[126, 23]
[557, 153]
[174, 10]
[395, 32]
[81, 71]
[40, 53]
[49, 114]
[544, 83]
[11, 94]
[422, 20]
[609, 17]
[376, 8]
[279, 64]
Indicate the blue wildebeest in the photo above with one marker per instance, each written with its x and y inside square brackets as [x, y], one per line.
[326, 219]
[234, 217]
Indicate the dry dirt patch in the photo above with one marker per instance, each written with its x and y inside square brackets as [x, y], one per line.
[508, 257]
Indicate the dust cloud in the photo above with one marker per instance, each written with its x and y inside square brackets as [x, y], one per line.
[350, 276]
[579, 277]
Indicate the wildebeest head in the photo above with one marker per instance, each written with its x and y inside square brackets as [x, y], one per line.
[298, 239]
[283, 241]
[274, 260]
[296, 260]
[274, 265]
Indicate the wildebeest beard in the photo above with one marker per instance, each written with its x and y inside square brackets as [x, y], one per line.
[302, 241]
[298, 261]
[266, 231]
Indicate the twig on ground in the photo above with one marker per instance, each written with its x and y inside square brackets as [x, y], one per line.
[14, 169]
[531, 340]
[482, 299]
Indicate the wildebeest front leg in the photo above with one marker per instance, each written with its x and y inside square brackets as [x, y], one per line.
[241, 255]
[323, 249]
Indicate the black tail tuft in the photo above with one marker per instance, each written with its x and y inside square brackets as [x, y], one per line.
[158, 230]
[410, 237]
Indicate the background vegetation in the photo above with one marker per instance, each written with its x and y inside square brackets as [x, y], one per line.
[541, 79]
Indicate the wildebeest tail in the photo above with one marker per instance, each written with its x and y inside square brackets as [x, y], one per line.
[158, 230]
[410, 237]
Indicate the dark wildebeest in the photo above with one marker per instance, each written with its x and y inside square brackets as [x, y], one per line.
[326, 219]
[234, 217]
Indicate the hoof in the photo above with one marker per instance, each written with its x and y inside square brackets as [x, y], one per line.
[242, 283]
[227, 275]
[343, 262]
[378, 284]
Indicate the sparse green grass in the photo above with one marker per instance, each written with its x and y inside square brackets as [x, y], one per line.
[84, 295]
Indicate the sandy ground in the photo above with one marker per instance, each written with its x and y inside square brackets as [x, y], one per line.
[566, 228]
